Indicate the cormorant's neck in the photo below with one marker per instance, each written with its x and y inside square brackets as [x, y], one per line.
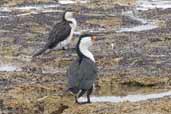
[83, 52]
[73, 22]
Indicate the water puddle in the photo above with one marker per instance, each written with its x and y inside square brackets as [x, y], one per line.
[5, 9]
[145, 24]
[30, 7]
[90, 30]
[144, 5]
[130, 98]
[152, 4]
[139, 28]
[36, 8]
[41, 7]
[28, 10]
[9, 68]
[72, 1]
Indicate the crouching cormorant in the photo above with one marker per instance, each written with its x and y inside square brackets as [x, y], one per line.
[83, 71]
[61, 33]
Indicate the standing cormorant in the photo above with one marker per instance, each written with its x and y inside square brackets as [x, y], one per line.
[83, 71]
[61, 33]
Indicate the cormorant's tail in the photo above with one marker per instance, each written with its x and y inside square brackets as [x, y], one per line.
[40, 52]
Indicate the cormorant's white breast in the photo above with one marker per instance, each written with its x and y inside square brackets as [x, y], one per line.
[84, 45]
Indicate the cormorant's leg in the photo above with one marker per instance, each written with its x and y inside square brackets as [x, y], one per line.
[64, 48]
[89, 91]
[81, 93]
[76, 101]
[88, 94]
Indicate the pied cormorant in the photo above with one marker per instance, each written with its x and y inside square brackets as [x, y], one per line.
[82, 72]
[61, 33]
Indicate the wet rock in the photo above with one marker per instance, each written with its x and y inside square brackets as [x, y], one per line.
[128, 21]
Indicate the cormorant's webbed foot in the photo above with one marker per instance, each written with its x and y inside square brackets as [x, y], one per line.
[82, 93]
[81, 103]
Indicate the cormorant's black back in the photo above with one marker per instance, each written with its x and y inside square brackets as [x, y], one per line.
[82, 75]
[59, 33]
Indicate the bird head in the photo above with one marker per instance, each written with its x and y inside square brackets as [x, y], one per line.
[86, 40]
[68, 15]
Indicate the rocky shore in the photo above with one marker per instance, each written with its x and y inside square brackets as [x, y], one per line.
[133, 56]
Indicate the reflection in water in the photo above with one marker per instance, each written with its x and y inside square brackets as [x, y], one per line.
[130, 98]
